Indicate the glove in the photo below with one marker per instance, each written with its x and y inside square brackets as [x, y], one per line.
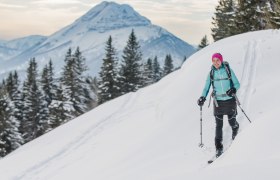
[231, 92]
[201, 101]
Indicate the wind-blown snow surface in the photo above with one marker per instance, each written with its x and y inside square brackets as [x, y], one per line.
[153, 134]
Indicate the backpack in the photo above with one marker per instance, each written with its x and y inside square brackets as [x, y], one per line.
[226, 65]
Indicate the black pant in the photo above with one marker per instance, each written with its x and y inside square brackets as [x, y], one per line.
[219, 128]
[229, 108]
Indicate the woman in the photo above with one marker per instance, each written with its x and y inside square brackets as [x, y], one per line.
[225, 84]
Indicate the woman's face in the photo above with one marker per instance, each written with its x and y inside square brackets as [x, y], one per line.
[216, 63]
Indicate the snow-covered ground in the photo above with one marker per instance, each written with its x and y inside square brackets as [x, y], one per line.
[153, 134]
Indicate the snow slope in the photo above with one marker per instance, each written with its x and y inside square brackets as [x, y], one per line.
[153, 134]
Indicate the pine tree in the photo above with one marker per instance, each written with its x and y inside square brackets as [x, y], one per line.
[49, 87]
[250, 16]
[59, 113]
[130, 72]
[35, 110]
[90, 93]
[204, 42]
[148, 75]
[17, 99]
[12, 88]
[272, 12]
[3, 137]
[231, 18]
[82, 87]
[10, 138]
[224, 20]
[74, 86]
[93, 86]
[157, 71]
[67, 87]
[108, 81]
[48, 82]
[10, 85]
[168, 65]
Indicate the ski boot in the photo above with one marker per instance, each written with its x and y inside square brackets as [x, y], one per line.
[219, 147]
[219, 152]
[235, 131]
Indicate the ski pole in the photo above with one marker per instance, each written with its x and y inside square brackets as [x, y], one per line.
[201, 144]
[238, 103]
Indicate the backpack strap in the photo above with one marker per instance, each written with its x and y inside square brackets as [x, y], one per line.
[228, 73]
[212, 77]
[226, 65]
[213, 94]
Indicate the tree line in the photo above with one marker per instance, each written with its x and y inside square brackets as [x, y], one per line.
[234, 17]
[44, 101]
[116, 79]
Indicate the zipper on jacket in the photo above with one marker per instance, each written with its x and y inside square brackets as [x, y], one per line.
[221, 81]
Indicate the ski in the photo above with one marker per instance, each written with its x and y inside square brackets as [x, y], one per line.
[218, 154]
[212, 160]
[215, 157]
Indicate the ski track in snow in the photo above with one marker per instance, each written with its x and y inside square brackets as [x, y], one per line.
[248, 77]
[247, 83]
[78, 141]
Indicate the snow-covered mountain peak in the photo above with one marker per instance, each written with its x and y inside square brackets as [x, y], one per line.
[110, 15]
[90, 33]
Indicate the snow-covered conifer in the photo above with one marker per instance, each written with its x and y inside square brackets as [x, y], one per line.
[224, 20]
[108, 76]
[203, 43]
[130, 71]
[168, 65]
[35, 110]
[157, 70]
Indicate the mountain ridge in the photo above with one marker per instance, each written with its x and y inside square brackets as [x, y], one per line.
[104, 16]
[91, 39]
[16, 46]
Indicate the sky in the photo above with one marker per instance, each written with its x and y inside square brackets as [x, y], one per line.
[189, 20]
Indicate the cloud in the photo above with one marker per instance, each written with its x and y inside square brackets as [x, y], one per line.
[7, 5]
[80, 6]
[172, 5]
[56, 2]
[174, 8]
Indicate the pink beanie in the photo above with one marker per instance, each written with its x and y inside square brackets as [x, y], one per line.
[217, 55]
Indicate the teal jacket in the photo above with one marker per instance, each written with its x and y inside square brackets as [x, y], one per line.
[221, 84]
